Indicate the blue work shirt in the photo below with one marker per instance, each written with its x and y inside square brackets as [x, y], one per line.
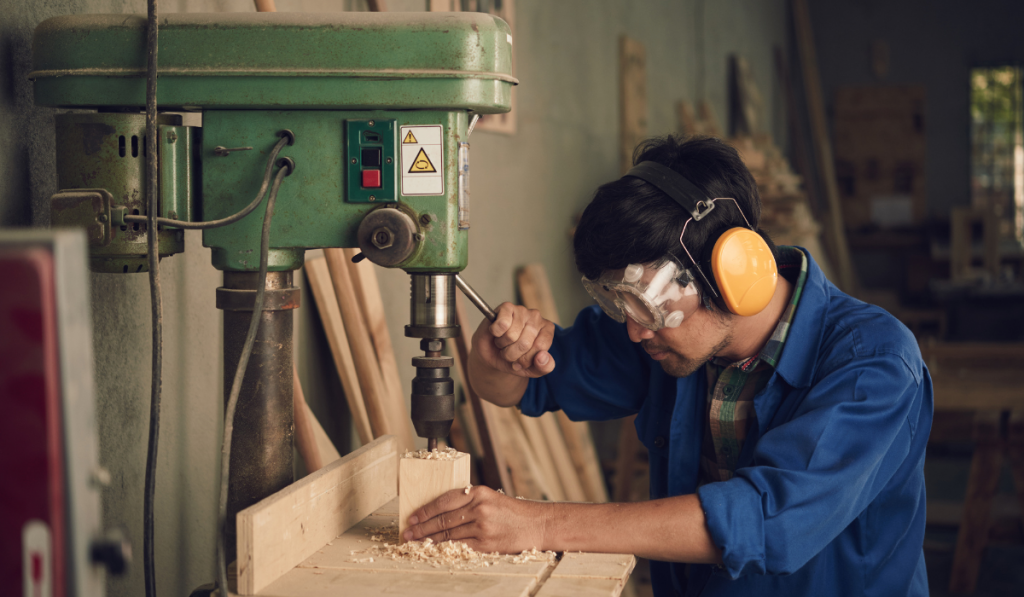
[828, 496]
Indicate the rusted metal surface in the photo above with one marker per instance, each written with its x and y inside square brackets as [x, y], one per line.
[261, 447]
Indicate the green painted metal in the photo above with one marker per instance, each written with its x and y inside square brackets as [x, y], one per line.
[311, 211]
[106, 151]
[373, 61]
[370, 135]
[176, 172]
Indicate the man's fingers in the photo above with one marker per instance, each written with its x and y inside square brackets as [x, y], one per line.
[522, 345]
[543, 363]
[503, 321]
[449, 501]
[465, 532]
[442, 525]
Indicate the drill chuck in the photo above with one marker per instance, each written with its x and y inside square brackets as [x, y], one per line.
[433, 396]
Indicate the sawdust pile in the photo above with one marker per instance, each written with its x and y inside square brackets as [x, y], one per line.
[454, 555]
[442, 454]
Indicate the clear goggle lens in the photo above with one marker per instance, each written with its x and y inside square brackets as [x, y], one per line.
[656, 296]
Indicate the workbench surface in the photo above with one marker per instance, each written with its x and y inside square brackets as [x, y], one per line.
[335, 570]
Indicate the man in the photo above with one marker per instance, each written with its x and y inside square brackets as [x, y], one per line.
[786, 435]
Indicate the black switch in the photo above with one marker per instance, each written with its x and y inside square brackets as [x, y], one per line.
[371, 158]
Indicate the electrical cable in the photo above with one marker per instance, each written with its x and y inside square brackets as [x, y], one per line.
[287, 167]
[153, 257]
[287, 138]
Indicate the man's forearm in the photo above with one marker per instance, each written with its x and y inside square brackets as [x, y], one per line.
[670, 529]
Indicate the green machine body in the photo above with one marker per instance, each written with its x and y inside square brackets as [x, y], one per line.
[379, 103]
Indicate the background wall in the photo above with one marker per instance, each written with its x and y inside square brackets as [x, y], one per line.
[933, 43]
[526, 190]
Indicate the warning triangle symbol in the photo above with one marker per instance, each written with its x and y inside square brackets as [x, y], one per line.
[410, 138]
[421, 163]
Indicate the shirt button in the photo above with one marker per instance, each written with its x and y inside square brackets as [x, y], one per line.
[728, 390]
[659, 442]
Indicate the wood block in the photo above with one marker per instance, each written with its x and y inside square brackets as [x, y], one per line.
[277, 533]
[312, 582]
[423, 480]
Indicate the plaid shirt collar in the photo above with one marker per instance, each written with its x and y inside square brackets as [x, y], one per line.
[793, 266]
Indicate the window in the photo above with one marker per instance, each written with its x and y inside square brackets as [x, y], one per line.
[997, 146]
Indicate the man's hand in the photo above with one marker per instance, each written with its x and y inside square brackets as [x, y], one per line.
[484, 519]
[517, 342]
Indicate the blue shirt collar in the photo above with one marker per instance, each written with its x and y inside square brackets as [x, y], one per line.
[799, 360]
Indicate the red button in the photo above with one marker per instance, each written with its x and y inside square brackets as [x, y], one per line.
[371, 179]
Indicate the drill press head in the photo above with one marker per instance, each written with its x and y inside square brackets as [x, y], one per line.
[432, 319]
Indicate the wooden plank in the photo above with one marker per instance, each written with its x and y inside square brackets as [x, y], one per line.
[278, 532]
[686, 120]
[978, 391]
[423, 480]
[328, 453]
[960, 220]
[527, 477]
[836, 232]
[707, 116]
[1015, 454]
[581, 587]
[625, 468]
[632, 98]
[495, 468]
[312, 582]
[973, 355]
[327, 305]
[981, 486]
[595, 565]
[363, 355]
[560, 455]
[364, 281]
[542, 455]
[535, 291]
[305, 438]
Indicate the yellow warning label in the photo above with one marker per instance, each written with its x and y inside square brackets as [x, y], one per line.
[421, 163]
[410, 138]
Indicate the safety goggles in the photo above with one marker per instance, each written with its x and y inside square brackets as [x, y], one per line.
[655, 295]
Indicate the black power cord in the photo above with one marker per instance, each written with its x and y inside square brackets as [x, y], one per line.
[287, 167]
[287, 138]
[153, 256]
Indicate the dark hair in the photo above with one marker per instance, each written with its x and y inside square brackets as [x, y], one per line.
[632, 221]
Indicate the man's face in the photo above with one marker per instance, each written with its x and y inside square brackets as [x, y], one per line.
[682, 350]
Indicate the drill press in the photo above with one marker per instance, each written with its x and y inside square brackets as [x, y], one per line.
[376, 109]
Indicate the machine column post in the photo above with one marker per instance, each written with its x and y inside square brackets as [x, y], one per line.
[261, 446]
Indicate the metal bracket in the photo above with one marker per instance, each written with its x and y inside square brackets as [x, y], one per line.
[85, 208]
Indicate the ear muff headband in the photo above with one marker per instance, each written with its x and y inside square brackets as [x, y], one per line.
[743, 270]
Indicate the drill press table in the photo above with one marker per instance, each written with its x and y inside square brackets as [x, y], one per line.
[300, 543]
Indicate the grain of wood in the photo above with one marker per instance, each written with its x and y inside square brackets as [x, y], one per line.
[625, 468]
[422, 480]
[319, 279]
[535, 291]
[305, 438]
[542, 454]
[363, 355]
[279, 532]
[314, 582]
[564, 466]
[580, 587]
[632, 98]
[595, 565]
[981, 486]
[367, 288]
[836, 236]
[485, 414]
[527, 478]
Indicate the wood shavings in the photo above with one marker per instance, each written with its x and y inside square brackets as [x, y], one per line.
[468, 487]
[455, 555]
[442, 454]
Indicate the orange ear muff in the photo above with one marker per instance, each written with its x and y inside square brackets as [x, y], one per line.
[744, 270]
